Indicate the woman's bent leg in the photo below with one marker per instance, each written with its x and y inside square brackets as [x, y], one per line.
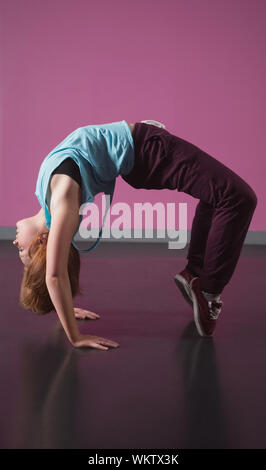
[198, 240]
[227, 202]
[230, 223]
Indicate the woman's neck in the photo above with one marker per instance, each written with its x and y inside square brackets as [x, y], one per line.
[39, 220]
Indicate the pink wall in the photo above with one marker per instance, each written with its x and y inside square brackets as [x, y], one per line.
[195, 65]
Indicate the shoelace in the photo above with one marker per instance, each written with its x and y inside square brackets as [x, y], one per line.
[215, 308]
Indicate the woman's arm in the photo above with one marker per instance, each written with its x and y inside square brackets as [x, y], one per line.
[64, 207]
[64, 220]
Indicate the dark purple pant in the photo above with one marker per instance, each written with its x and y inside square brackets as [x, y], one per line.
[226, 202]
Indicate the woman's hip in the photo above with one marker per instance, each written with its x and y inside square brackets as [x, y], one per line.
[165, 161]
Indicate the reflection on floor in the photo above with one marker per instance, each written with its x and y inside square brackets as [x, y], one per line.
[164, 387]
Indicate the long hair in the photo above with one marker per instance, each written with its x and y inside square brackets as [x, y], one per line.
[34, 294]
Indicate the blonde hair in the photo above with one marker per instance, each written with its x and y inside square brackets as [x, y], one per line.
[34, 294]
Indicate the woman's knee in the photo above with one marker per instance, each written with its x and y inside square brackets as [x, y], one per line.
[250, 199]
[242, 197]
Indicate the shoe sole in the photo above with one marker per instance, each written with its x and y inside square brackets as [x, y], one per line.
[184, 288]
[196, 312]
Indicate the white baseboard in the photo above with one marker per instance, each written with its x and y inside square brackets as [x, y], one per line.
[252, 237]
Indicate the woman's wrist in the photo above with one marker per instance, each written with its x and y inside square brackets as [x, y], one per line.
[76, 341]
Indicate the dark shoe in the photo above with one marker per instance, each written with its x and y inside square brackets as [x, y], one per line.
[182, 281]
[205, 312]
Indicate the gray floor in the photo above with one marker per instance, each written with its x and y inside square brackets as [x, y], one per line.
[164, 387]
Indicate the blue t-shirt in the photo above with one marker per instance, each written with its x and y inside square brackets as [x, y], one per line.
[102, 152]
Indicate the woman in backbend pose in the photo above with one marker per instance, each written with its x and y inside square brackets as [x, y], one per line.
[147, 156]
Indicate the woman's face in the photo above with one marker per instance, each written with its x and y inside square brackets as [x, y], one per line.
[26, 231]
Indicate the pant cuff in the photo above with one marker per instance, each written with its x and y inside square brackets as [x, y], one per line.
[195, 270]
[212, 286]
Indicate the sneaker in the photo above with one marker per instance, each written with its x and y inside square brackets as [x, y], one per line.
[206, 312]
[182, 281]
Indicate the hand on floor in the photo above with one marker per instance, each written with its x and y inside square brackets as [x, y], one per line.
[82, 314]
[98, 342]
